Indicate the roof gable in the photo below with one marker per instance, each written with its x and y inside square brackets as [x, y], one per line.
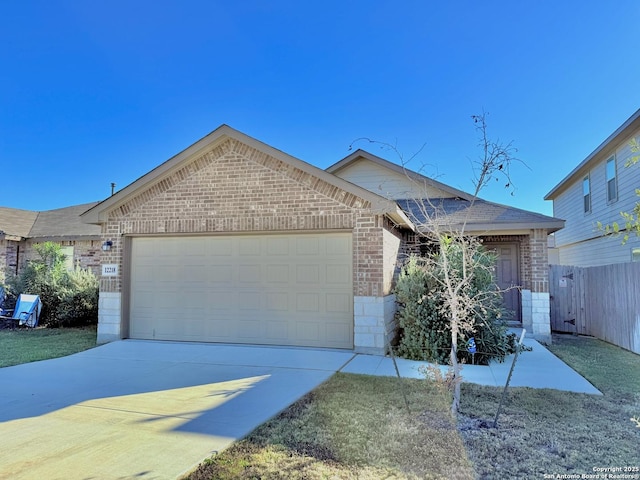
[166, 175]
[417, 194]
[390, 180]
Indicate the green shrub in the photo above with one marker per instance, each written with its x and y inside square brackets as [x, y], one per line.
[78, 300]
[69, 298]
[424, 329]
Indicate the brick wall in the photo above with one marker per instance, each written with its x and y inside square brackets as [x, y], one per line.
[540, 262]
[235, 188]
[86, 253]
[533, 255]
[14, 255]
[10, 256]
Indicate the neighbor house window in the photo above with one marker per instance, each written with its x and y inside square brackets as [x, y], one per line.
[612, 185]
[586, 194]
[635, 254]
[67, 251]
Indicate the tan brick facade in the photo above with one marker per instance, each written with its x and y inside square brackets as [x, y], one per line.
[534, 271]
[14, 255]
[540, 268]
[9, 253]
[234, 188]
[86, 253]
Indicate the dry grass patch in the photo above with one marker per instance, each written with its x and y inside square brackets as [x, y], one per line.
[352, 427]
[553, 432]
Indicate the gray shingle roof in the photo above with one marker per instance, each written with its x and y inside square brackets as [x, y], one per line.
[481, 215]
[61, 222]
[16, 222]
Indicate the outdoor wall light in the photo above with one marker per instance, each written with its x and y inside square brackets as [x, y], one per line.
[106, 246]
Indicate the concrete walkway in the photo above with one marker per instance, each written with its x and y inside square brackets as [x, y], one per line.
[536, 369]
[145, 410]
[155, 410]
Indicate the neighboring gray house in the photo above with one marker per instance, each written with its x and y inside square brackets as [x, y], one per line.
[20, 230]
[597, 190]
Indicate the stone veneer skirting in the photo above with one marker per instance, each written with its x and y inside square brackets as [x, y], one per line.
[536, 308]
[373, 319]
[109, 319]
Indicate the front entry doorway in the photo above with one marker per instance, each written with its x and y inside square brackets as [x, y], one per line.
[508, 277]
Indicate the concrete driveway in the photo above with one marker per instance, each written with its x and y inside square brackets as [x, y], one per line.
[145, 410]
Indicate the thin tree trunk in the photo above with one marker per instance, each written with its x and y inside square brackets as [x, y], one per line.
[455, 404]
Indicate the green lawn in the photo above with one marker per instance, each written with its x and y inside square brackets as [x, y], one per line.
[26, 345]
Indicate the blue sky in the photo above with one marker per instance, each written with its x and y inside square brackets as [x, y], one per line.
[94, 92]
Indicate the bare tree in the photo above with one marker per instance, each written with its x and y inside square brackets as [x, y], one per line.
[458, 255]
[461, 302]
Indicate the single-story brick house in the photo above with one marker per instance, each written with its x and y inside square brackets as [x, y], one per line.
[20, 230]
[235, 241]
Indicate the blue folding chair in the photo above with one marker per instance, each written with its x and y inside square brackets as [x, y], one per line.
[27, 311]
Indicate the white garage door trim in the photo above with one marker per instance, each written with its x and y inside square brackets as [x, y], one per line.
[276, 289]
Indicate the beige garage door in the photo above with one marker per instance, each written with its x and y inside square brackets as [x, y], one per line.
[268, 289]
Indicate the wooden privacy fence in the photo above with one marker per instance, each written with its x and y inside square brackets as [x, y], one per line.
[600, 301]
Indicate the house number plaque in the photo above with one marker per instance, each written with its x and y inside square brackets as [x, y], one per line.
[110, 270]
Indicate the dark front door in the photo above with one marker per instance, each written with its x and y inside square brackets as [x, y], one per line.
[508, 277]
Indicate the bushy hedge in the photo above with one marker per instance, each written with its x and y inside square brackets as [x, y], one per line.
[424, 329]
[69, 298]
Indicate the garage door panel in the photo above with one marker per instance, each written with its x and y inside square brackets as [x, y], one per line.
[338, 275]
[220, 273]
[308, 302]
[271, 289]
[308, 246]
[338, 303]
[195, 248]
[219, 247]
[251, 301]
[338, 246]
[250, 246]
[308, 332]
[277, 301]
[277, 246]
[249, 328]
[278, 331]
[308, 274]
[336, 331]
[249, 273]
[277, 274]
[145, 273]
[194, 274]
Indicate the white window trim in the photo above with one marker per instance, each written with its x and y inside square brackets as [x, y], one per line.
[613, 159]
[587, 177]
